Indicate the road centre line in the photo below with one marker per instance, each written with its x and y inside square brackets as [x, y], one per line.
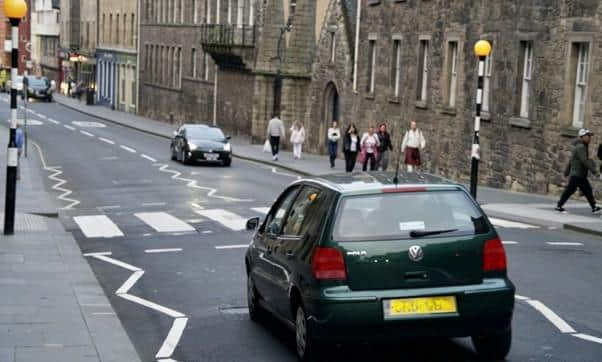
[558, 322]
[53, 121]
[106, 141]
[587, 337]
[86, 133]
[148, 157]
[239, 246]
[69, 127]
[128, 149]
[155, 251]
[564, 243]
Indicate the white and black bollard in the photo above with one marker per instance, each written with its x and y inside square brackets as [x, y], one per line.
[482, 50]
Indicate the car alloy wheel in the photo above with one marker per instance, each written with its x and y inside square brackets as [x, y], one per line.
[301, 333]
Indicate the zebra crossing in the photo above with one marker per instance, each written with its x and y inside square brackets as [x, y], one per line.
[199, 220]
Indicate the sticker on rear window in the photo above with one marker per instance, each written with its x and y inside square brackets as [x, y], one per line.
[412, 225]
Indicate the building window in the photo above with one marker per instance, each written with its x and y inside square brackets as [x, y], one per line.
[134, 30]
[452, 73]
[104, 29]
[333, 46]
[251, 12]
[293, 7]
[527, 73]
[239, 13]
[396, 67]
[195, 11]
[179, 67]
[206, 66]
[423, 71]
[208, 11]
[125, 22]
[122, 77]
[117, 30]
[371, 66]
[580, 61]
[193, 62]
[487, 83]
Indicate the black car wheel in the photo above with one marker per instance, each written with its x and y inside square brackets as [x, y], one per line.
[183, 157]
[493, 346]
[228, 162]
[307, 346]
[255, 310]
[173, 154]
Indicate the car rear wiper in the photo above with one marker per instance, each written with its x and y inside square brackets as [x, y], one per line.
[422, 233]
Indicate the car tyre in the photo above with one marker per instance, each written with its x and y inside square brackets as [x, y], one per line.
[493, 346]
[183, 158]
[308, 348]
[228, 162]
[173, 154]
[256, 312]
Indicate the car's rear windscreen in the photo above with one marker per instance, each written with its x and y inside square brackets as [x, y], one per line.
[395, 215]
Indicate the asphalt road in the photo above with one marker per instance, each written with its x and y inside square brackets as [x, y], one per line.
[188, 303]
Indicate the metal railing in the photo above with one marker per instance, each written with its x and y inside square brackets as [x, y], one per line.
[228, 35]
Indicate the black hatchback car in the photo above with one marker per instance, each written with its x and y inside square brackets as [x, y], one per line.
[359, 257]
[201, 143]
[38, 88]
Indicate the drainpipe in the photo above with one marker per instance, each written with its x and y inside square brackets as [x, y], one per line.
[138, 10]
[357, 44]
[217, 16]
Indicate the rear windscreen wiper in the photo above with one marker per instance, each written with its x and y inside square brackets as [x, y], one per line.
[422, 233]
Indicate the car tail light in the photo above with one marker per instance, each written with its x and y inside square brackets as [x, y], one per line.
[494, 256]
[328, 264]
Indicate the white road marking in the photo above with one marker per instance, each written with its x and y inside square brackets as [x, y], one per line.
[520, 297]
[563, 243]
[155, 251]
[261, 210]
[110, 158]
[171, 342]
[106, 253]
[194, 221]
[128, 149]
[239, 246]
[509, 242]
[154, 306]
[154, 204]
[196, 205]
[226, 218]
[117, 263]
[110, 207]
[558, 322]
[129, 283]
[53, 121]
[106, 141]
[207, 232]
[97, 226]
[589, 338]
[148, 158]
[511, 224]
[183, 233]
[103, 313]
[43, 116]
[69, 127]
[86, 124]
[86, 133]
[275, 171]
[163, 222]
[59, 181]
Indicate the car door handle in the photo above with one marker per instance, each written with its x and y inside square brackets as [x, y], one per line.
[290, 254]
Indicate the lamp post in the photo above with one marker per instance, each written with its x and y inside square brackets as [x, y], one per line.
[278, 80]
[482, 49]
[14, 10]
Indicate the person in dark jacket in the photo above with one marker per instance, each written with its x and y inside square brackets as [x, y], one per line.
[384, 148]
[577, 170]
[351, 147]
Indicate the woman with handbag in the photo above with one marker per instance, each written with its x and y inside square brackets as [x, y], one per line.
[351, 146]
[370, 143]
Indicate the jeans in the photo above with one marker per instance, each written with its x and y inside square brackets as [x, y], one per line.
[383, 160]
[350, 158]
[578, 183]
[275, 143]
[332, 151]
[370, 157]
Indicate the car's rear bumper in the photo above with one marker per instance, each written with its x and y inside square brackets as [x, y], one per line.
[341, 314]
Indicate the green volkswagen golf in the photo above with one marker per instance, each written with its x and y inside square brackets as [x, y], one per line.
[357, 257]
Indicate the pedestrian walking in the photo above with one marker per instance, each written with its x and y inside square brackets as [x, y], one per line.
[20, 141]
[274, 132]
[385, 147]
[351, 146]
[413, 142]
[334, 134]
[369, 151]
[577, 170]
[297, 139]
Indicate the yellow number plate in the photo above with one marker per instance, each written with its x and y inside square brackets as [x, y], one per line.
[419, 306]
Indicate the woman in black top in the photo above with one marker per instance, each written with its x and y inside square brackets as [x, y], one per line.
[351, 146]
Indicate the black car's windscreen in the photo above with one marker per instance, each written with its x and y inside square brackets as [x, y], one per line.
[395, 215]
[37, 82]
[205, 133]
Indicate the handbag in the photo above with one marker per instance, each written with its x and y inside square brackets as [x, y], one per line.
[266, 146]
[362, 156]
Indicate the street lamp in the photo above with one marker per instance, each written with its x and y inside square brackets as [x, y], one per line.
[14, 10]
[278, 80]
[482, 49]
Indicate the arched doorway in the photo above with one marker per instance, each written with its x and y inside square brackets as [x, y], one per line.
[331, 112]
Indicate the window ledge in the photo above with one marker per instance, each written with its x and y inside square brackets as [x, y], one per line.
[450, 111]
[370, 96]
[569, 131]
[520, 122]
[393, 99]
[421, 104]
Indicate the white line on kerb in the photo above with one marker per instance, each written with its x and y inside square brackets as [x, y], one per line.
[588, 338]
[148, 157]
[128, 149]
[562, 243]
[155, 251]
[240, 246]
[86, 133]
[558, 322]
[106, 141]
[69, 127]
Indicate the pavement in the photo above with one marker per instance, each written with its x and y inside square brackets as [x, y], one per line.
[52, 307]
[166, 242]
[524, 207]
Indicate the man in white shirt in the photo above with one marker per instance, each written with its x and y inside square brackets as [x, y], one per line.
[413, 142]
[275, 132]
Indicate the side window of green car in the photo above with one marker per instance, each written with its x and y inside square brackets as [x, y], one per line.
[274, 220]
[305, 212]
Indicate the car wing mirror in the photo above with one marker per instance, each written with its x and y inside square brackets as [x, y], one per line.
[253, 223]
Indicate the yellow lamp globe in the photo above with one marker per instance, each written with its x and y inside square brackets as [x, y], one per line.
[15, 9]
[482, 48]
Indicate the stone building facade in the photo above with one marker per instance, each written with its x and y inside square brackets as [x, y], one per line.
[78, 41]
[45, 32]
[415, 61]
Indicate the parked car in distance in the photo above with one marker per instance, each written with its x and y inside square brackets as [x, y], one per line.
[357, 257]
[201, 143]
[38, 88]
